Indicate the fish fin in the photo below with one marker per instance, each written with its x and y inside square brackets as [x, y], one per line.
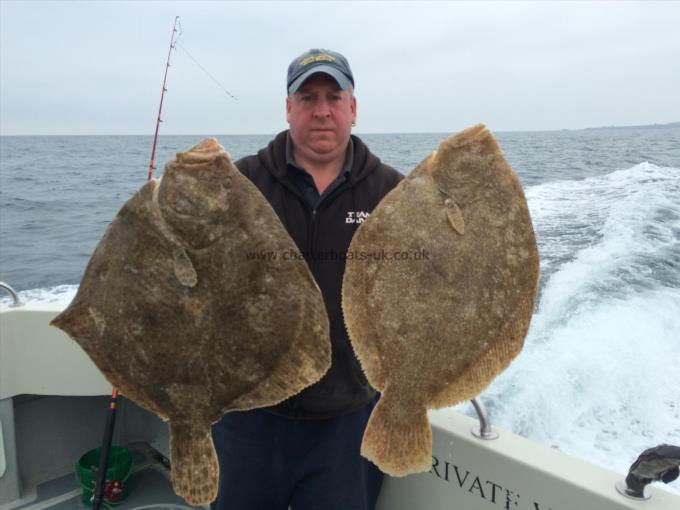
[184, 268]
[195, 471]
[455, 216]
[399, 444]
[480, 372]
[295, 371]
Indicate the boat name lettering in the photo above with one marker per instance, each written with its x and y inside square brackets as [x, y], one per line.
[487, 490]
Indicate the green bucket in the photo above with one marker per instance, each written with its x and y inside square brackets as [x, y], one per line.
[119, 467]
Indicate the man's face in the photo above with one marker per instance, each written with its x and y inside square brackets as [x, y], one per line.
[320, 116]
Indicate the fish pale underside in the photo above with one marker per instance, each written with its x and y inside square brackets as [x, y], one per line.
[180, 318]
[434, 330]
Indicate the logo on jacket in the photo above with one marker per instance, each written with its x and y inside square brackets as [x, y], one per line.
[356, 216]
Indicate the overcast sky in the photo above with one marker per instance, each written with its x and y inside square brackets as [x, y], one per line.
[97, 67]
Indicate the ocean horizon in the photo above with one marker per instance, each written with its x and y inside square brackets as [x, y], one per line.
[667, 125]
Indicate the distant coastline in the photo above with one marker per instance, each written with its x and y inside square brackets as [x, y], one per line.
[642, 126]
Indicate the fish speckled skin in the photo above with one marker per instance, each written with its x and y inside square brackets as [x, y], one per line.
[180, 317]
[435, 329]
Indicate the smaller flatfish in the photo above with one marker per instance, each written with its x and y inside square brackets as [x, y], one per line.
[446, 305]
[181, 316]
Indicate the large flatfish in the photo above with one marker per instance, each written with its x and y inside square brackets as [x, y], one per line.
[183, 315]
[438, 292]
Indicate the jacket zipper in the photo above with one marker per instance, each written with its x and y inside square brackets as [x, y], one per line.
[310, 241]
[311, 238]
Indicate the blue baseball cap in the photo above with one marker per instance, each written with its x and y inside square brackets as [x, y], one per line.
[315, 61]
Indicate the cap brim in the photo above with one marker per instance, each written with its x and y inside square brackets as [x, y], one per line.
[338, 76]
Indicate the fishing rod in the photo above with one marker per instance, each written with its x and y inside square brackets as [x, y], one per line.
[173, 45]
[100, 487]
[173, 42]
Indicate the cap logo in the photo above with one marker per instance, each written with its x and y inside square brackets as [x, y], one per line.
[324, 57]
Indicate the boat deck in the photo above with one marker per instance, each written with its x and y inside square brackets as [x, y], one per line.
[150, 488]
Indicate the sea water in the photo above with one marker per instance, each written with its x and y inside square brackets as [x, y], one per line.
[599, 376]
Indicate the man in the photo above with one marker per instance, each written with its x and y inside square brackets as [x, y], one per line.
[321, 181]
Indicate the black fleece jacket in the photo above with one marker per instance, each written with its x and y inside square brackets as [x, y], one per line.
[323, 236]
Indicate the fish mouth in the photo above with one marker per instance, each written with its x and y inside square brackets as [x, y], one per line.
[204, 152]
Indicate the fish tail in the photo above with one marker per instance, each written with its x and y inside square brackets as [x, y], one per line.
[195, 472]
[398, 443]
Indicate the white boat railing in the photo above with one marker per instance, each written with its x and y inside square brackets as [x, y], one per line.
[15, 297]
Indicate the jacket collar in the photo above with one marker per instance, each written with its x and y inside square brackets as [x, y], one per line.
[274, 158]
